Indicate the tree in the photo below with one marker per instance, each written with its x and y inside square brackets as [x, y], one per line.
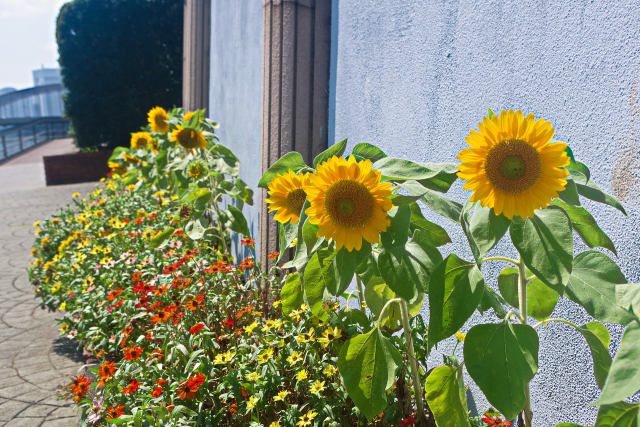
[119, 58]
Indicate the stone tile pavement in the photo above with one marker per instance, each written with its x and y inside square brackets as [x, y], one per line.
[34, 360]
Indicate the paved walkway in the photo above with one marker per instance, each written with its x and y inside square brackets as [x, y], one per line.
[34, 360]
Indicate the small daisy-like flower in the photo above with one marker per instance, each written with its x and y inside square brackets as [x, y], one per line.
[223, 358]
[329, 335]
[301, 375]
[254, 376]
[317, 387]
[251, 327]
[329, 370]
[306, 419]
[251, 403]
[281, 396]
[294, 358]
[460, 336]
[306, 336]
[265, 356]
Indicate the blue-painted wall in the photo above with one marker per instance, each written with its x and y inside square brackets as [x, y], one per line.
[236, 87]
[414, 76]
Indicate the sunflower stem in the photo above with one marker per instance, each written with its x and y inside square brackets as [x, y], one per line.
[413, 363]
[500, 258]
[522, 300]
[360, 292]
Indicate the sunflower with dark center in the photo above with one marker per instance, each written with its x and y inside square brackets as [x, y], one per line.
[140, 140]
[196, 169]
[190, 139]
[348, 202]
[158, 120]
[511, 166]
[287, 196]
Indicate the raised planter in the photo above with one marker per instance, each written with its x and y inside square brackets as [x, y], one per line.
[76, 167]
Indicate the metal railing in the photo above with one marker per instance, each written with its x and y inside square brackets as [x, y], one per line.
[17, 136]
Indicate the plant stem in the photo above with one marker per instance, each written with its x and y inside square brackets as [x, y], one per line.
[360, 292]
[522, 300]
[413, 363]
[384, 310]
[500, 258]
[554, 319]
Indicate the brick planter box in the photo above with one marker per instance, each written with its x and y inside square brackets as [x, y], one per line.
[76, 167]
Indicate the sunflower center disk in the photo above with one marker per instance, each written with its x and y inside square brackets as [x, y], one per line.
[295, 200]
[349, 204]
[513, 166]
[188, 138]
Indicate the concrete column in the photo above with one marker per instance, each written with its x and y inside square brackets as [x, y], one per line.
[195, 62]
[295, 100]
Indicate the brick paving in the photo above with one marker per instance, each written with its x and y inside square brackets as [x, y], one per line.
[34, 360]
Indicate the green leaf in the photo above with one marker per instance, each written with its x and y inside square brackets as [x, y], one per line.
[291, 293]
[446, 398]
[292, 160]
[620, 414]
[161, 238]
[501, 359]
[541, 299]
[586, 226]
[490, 113]
[435, 176]
[161, 160]
[570, 193]
[484, 230]
[287, 233]
[491, 299]
[424, 257]
[545, 243]
[310, 236]
[238, 221]
[316, 275]
[343, 267]
[194, 229]
[624, 376]
[398, 272]
[575, 165]
[591, 191]
[336, 149]
[628, 297]
[367, 365]
[598, 339]
[593, 285]
[435, 234]
[508, 285]
[377, 293]
[117, 152]
[569, 425]
[368, 151]
[199, 196]
[435, 201]
[398, 232]
[455, 290]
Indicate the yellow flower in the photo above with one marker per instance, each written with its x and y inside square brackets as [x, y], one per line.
[223, 358]
[274, 424]
[56, 287]
[294, 358]
[254, 376]
[140, 140]
[295, 315]
[158, 120]
[317, 387]
[281, 396]
[307, 419]
[329, 370]
[348, 202]
[265, 356]
[511, 167]
[187, 116]
[301, 375]
[287, 195]
[190, 139]
[277, 303]
[306, 336]
[460, 336]
[252, 402]
[251, 327]
[62, 306]
[64, 328]
[36, 224]
[38, 231]
[329, 335]
[75, 195]
[305, 307]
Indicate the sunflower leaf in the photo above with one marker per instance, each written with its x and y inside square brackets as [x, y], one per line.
[586, 226]
[336, 149]
[624, 375]
[590, 190]
[365, 150]
[292, 160]
[446, 397]
[484, 230]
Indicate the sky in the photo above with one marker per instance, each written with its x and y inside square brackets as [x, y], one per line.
[27, 39]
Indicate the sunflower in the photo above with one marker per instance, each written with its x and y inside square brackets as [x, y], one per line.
[511, 167]
[287, 196]
[191, 139]
[196, 169]
[117, 167]
[140, 140]
[348, 202]
[158, 120]
[187, 116]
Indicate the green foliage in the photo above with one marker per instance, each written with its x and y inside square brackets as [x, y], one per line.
[446, 398]
[117, 58]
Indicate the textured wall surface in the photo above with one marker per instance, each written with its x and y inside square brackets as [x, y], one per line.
[414, 76]
[236, 86]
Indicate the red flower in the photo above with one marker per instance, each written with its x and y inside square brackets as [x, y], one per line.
[248, 242]
[233, 408]
[178, 232]
[187, 390]
[106, 372]
[79, 387]
[229, 323]
[132, 353]
[409, 421]
[196, 328]
[115, 411]
[132, 387]
[273, 256]
[246, 264]
[157, 391]
[496, 422]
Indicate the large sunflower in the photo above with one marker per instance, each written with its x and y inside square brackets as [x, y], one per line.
[348, 202]
[140, 140]
[158, 120]
[191, 139]
[511, 167]
[287, 196]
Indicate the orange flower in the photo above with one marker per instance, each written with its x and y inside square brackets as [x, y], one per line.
[106, 372]
[115, 412]
[248, 242]
[131, 388]
[187, 390]
[132, 353]
[273, 256]
[79, 387]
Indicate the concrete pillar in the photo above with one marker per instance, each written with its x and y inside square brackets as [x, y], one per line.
[295, 100]
[195, 62]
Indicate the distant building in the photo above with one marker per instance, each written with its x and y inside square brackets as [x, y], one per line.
[42, 100]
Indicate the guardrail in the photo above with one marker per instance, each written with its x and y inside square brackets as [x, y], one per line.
[21, 135]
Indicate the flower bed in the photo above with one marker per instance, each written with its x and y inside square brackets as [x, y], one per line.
[184, 334]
